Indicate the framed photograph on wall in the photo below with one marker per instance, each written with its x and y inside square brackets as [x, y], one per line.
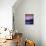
[29, 19]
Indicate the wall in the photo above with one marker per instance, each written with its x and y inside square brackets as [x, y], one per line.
[29, 31]
[6, 13]
[6, 16]
[43, 22]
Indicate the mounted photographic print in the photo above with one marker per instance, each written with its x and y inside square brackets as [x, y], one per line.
[29, 19]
